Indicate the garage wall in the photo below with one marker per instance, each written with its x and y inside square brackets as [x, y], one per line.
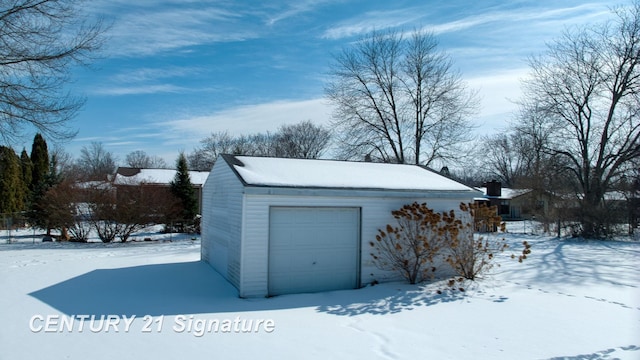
[375, 214]
[222, 222]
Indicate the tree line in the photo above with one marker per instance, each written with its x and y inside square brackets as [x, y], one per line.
[51, 190]
[576, 138]
[304, 140]
[38, 190]
[578, 130]
[396, 98]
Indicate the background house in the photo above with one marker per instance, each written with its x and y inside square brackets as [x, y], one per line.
[158, 179]
[515, 204]
[274, 226]
[623, 206]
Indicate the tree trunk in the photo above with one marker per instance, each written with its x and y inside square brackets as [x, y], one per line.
[592, 215]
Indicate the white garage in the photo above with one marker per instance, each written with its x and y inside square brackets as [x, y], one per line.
[275, 226]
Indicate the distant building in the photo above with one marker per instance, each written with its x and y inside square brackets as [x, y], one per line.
[514, 204]
[127, 176]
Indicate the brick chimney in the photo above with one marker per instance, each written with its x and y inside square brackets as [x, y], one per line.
[494, 188]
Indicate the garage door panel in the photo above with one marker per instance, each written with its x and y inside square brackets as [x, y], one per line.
[318, 260]
[301, 283]
[313, 249]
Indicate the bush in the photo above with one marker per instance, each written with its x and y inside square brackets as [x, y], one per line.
[80, 231]
[423, 238]
[411, 247]
[469, 254]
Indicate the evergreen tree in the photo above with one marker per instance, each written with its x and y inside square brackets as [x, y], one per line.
[182, 188]
[55, 206]
[40, 163]
[27, 169]
[11, 185]
[39, 182]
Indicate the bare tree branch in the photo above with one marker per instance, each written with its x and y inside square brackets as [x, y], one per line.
[399, 100]
[588, 83]
[40, 40]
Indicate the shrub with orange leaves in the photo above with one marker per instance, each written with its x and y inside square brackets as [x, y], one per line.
[411, 247]
[423, 237]
[468, 253]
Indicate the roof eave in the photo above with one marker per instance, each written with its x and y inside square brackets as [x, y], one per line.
[253, 189]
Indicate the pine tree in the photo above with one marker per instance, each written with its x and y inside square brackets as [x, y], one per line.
[11, 185]
[40, 162]
[39, 182]
[55, 205]
[182, 188]
[27, 169]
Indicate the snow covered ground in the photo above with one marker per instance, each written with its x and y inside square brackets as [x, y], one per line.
[570, 300]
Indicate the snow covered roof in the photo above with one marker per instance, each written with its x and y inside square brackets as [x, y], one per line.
[92, 185]
[279, 172]
[131, 176]
[507, 193]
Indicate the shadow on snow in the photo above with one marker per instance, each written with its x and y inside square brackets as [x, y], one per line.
[581, 262]
[196, 288]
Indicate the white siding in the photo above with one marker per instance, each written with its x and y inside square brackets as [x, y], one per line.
[222, 222]
[376, 213]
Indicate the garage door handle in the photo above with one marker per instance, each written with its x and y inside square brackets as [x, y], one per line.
[313, 263]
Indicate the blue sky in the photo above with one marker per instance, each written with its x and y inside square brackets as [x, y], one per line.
[174, 71]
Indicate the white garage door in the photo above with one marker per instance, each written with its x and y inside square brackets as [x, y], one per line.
[313, 249]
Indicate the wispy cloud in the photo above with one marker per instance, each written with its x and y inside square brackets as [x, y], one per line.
[149, 28]
[120, 143]
[158, 27]
[499, 90]
[146, 74]
[146, 80]
[139, 90]
[372, 20]
[295, 8]
[564, 16]
[247, 119]
[420, 17]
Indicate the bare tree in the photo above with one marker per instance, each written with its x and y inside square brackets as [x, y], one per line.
[64, 162]
[41, 40]
[140, 205]
[399, 100]
[103, 211]
[518, 157]
[303, 140]
[440, 103]
[588, 83]
[95, 162]
[140, 159]
[215, 144]
[502, 157]
[58, 208]
[259, 144]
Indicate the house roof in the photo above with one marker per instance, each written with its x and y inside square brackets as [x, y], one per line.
[507, 193]
[133, 176]
[307, 173]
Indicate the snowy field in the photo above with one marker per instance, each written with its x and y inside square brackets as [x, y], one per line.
[570, 300]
